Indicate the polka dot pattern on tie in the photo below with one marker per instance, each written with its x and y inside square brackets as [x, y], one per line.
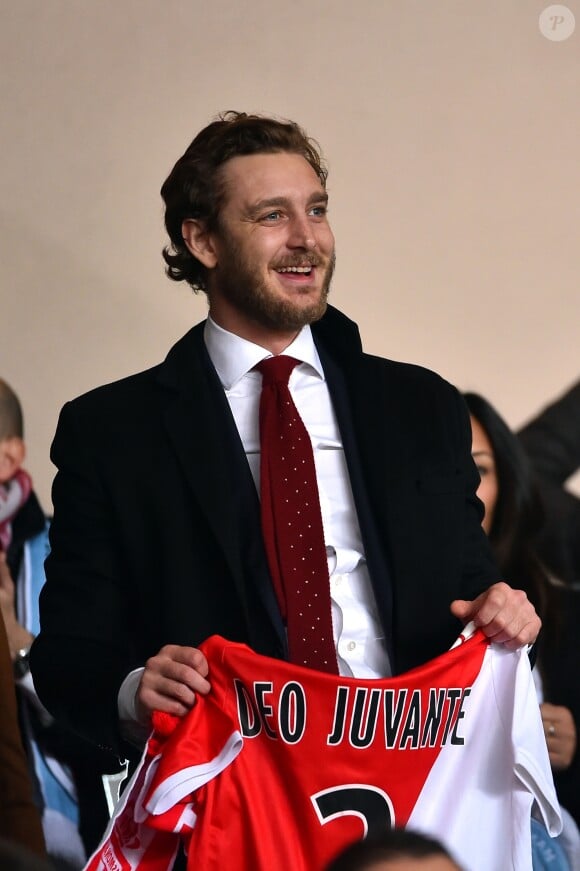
[292, 522]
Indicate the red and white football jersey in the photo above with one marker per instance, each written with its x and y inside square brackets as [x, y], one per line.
[280, 767]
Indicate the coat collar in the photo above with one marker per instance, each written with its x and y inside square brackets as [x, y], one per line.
[199, 425]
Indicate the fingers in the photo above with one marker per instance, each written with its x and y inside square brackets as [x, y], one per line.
[505, 615]
[7, 594]
[6, 581]
[461, 609]
[560, 732]
[171, 681]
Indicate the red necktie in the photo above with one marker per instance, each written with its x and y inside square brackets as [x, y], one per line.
[292, 522]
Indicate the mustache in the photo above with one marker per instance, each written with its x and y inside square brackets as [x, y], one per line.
[310, 259]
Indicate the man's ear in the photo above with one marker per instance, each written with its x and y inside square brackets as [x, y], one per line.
[199, 242]
[12, 453]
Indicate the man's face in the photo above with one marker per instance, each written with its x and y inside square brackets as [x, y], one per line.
[274, 249]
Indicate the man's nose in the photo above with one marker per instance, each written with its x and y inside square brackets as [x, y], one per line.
[302, 234]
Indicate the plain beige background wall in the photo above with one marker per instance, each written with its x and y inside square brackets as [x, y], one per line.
[451, 129]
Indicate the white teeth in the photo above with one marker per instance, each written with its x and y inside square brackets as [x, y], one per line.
[295, 269]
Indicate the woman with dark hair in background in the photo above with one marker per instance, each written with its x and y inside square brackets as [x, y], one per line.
[513, 519]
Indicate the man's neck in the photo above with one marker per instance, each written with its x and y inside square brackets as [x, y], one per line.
[274, 341]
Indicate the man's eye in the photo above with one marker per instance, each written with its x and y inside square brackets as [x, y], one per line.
[483, 470]
[271, 216]
[319, 211]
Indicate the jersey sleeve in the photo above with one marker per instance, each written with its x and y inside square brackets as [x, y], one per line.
[201, 746]
[531, 760]
[156, 808]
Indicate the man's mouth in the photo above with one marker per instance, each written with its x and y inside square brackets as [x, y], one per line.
[302, 270]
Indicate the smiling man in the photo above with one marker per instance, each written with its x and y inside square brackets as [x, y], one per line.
[161, 534]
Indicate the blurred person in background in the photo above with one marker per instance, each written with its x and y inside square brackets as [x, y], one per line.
[15, 857]
[513, 519]
[19, 818]
[395, 850]
[552, 442]
[66, 771]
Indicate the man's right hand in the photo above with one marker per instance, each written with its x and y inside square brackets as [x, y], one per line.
[171, 681]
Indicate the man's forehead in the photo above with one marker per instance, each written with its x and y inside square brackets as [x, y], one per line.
[255, 177]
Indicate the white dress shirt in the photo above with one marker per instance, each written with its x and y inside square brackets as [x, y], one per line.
[359, 639]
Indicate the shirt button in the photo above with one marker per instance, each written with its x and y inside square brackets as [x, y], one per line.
[351, 645]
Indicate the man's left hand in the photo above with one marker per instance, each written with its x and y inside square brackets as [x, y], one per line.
[505, 615]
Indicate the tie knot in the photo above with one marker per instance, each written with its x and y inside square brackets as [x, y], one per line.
[277, 369]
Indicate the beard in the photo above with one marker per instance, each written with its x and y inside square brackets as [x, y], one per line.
[255, 298]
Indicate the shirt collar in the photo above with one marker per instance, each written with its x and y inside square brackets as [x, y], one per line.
[233, 356]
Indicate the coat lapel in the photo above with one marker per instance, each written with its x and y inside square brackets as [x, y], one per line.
[203, 433]
[345, 393]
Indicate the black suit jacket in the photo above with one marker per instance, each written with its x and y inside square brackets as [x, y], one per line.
[156, 532]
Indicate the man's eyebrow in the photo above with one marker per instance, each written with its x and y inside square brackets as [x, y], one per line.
[276, 202]
[318, 197]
